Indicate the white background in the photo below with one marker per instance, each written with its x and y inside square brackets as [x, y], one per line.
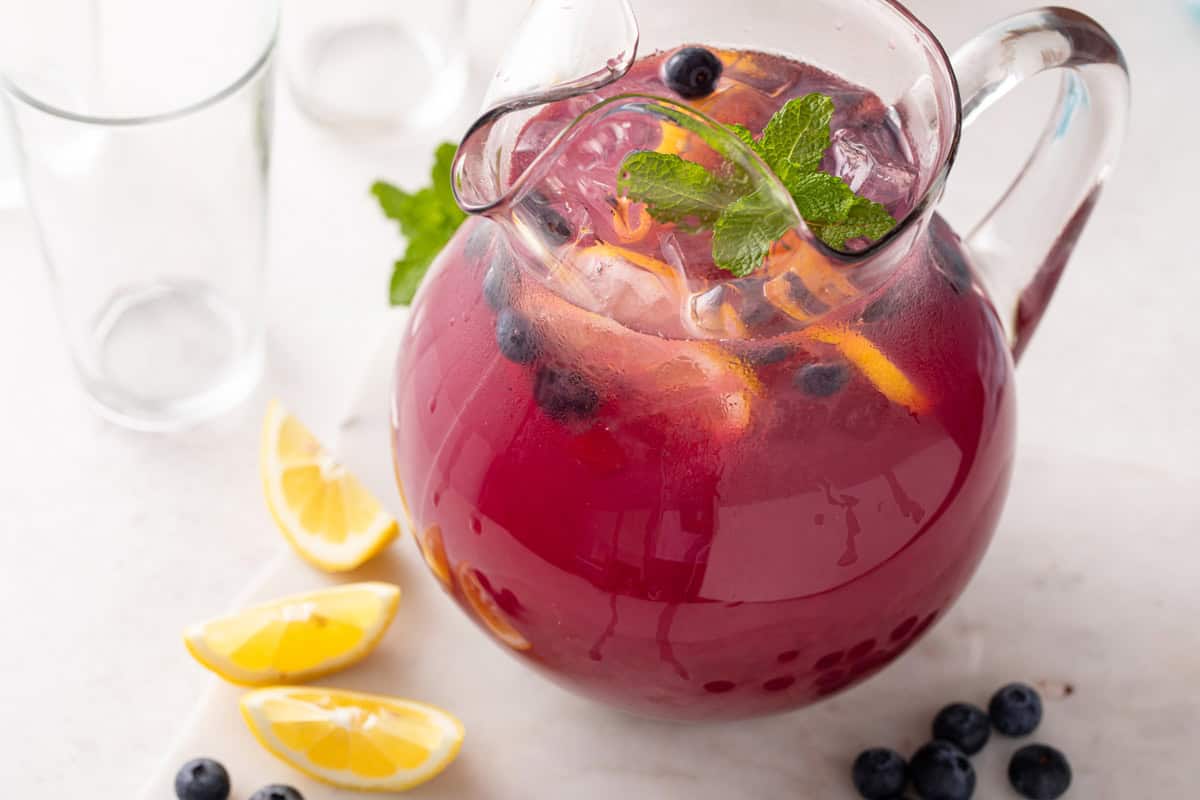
[113, 541]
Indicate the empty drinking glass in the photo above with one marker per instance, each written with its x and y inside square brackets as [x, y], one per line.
[143, 132]
[376, 64]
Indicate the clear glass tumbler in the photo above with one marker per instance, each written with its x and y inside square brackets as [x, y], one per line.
[386, 65]
[143, 131]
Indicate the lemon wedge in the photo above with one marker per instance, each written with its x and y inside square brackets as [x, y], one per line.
[330, 519]
[352, 740]
[296, 638]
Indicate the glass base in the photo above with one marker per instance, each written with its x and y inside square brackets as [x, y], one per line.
[377, 74]
[168, 355]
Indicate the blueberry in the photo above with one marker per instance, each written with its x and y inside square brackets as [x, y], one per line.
[277, 791]
[822, 380]
[940, 771]
[478, 239]
[495, 290]
[882, 307]
[553, 225]
[515, 337]
[879, 773]
[1039, 772]
[766, 357]
[202, 779]
[692, 72]
[1015, 710]
[966, 726]
[563, 394]
[499, 279]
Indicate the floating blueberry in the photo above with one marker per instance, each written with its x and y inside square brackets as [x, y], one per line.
[202, 779]
[563, 394]
[1015, 710]
[495, 292]
[822, 380]
[882, 307]
[515, 336]
[964, 725]
[879, 774]
[277, 791]
[552, 224]
[940, 771]
[478, 239]
[499, 279]
[1039, 772]
[765, 357]
[692, 72]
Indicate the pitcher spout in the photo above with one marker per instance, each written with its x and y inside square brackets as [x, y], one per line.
[760, 197]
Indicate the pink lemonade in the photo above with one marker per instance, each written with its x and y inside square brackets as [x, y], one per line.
[725, 512]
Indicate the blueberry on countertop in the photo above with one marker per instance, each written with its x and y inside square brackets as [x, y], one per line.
[515, 336]
[202, 779]
[940, 771]
[277, 791]
[1039, 772]
[1015, 710]
[692, 72]
[879, 774]
[966, 726]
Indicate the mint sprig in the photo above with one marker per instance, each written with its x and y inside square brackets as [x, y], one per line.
[745, 222]
[427, 217]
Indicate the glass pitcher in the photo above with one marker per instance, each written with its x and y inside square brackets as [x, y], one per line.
[670, 437]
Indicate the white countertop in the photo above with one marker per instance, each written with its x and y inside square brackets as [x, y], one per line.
[113, 541]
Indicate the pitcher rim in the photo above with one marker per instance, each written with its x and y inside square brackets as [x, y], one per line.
[918, 212]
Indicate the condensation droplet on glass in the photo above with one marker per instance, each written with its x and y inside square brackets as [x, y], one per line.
[437, 499]
[432, 405]
[476, 524]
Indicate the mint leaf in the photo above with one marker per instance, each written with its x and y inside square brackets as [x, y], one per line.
[796, 138]
[408, 271]
[673, 189]
[427, 218]
[745, 231]
[744, 220]
[821, 198]
[744, 133]
[864, 220]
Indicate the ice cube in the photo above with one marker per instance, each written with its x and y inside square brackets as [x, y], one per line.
[732, 310]
[637, 290]
[852, 161]
[869, 161]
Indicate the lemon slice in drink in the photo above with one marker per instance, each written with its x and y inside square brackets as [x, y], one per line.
[698, 379]
[487, 610]
[330, 519]
[296, 638]
[352, 740]
[874, 365]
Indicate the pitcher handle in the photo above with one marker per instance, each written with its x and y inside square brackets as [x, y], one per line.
[1022, 245]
